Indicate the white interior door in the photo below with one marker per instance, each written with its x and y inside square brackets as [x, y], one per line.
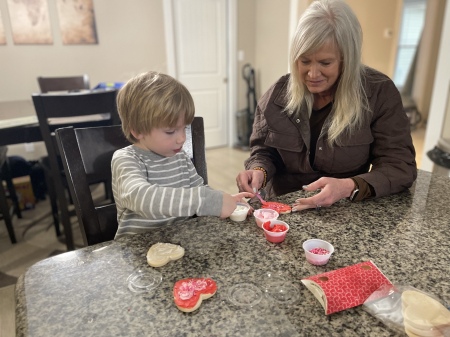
[196, 35]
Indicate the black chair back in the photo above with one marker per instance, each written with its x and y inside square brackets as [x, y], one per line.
[83, 109]
[7, 211]
[87, 154]
[195, 147]
[68, 83]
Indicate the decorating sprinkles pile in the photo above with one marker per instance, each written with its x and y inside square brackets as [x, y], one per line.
[319, 251]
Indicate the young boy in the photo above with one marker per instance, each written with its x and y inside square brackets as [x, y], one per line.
[154, 181]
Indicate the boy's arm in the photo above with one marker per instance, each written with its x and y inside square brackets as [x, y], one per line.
[133, 192]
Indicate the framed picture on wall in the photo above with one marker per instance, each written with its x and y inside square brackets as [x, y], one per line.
[2, 31]
[77, 21]
[30, 23]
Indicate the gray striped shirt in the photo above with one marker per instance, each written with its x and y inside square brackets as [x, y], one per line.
[151, 190]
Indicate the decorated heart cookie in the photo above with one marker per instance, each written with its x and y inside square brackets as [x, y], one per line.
[277, 206]
[161, 253]
[189, 293]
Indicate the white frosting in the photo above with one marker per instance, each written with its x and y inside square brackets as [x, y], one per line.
[187, 289]
[240, 213]
[240, 208]
[266, 215]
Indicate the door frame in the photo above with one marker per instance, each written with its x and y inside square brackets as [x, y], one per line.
[231, 20]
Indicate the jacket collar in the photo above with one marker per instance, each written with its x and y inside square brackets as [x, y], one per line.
[281, 96]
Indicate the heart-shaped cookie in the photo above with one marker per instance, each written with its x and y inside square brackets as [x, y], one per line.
[189, 293]
[161, 253]
[277, 206]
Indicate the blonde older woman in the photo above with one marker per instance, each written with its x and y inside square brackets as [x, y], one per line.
[333, 124]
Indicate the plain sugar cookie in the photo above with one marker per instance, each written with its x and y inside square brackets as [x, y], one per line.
[423, 315]
[161, 253]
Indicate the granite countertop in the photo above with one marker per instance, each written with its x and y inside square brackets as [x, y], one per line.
[85, 293]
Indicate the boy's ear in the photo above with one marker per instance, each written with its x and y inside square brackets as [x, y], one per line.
[136, 135]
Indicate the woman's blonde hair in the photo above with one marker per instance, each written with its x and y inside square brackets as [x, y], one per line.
[326, 21]
[153, 100]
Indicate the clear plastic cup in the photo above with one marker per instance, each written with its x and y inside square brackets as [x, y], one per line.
[144, 280]
[315, 251]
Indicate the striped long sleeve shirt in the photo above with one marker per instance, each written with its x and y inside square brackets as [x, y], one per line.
[151, 190]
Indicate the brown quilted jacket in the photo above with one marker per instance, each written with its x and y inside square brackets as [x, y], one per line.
[381, 152]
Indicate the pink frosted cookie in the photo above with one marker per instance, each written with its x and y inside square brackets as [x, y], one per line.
[189, 293]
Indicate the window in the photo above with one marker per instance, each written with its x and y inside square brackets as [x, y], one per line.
[413, 18]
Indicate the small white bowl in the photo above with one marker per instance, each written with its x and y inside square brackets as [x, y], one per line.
[241, 211]
[265, 214]
[317, 259]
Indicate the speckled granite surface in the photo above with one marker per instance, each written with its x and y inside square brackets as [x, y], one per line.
[84, 293]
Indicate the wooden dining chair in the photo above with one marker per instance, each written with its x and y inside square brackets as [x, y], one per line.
[68, 83]
[195, 147]
[5, 215]
[9, 202]
[6, 175]
[86, 155]
[59, 84]
[81, 109]
[84, 163]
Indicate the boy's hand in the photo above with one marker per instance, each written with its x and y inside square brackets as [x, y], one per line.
[229, 202]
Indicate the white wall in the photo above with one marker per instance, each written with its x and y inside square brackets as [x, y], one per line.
[440, 94]
[427, 57]
[271, 42]
[246, 17]
[380, 23]
[131, 40]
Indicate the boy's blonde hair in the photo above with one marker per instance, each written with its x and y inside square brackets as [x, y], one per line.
[153, 100]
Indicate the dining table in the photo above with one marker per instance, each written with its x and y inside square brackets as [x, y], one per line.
[18, 130]
[90, 291]
[24, 126]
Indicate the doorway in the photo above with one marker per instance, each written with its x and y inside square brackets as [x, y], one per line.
[199, 44]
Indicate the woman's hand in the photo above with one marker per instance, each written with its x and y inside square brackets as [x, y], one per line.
[331, 190]
[250, 181]
[229, 202]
